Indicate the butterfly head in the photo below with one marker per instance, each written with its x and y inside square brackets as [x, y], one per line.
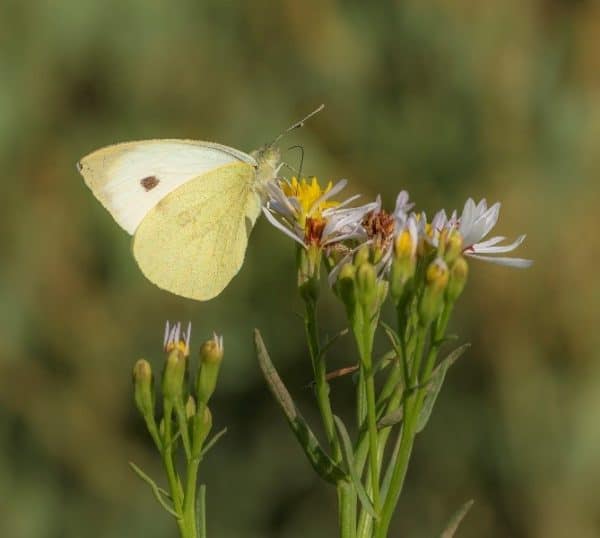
[268, 160]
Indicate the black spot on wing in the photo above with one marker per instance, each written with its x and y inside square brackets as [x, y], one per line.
[149, 182]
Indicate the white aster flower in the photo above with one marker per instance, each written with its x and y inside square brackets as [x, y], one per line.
[474, 224]
[306, 213]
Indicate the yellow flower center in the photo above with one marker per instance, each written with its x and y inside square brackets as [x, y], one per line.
[307, 193]
[179, 345]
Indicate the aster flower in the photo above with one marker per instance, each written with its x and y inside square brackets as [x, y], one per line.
[475, 223]
[306, 212]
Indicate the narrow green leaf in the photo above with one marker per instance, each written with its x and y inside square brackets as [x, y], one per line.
[456, 520]
[393, 417]
[392, 336]
[349, 457]
[385, 360]
[212, 442]
[158, 491]
[434, 385]
[332, 340]
[318, 458]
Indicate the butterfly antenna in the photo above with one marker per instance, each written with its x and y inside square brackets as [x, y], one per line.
[301, 148]
[298, 124]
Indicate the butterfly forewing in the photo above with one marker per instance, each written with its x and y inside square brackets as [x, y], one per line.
[130, 179]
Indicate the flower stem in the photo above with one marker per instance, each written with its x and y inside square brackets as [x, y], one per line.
[413, 407]
[173, 479]
[346, 510]
[321, 385]
[367, 364]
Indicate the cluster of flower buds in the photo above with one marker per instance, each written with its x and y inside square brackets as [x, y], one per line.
[185, 404]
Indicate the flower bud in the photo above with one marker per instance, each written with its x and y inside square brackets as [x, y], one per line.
[366, 285]
[143, 387]
[309, 271]
[211, 355]
[436, 280]
[346, 288]
[458, 278]
[173, 375]
[362, 256]
[190, 407]
[202, 424]
[403, 265]
[454, 244]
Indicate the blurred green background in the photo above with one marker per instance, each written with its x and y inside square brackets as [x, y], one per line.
[497, 99]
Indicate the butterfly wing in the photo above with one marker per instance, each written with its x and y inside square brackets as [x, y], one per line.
[193, 242]
[130, 179]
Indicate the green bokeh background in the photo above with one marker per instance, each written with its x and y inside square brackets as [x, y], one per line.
[497, 99]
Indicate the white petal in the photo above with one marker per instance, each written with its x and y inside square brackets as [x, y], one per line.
[489, 242]
[501, 248]
[509, 262]
[271, 218]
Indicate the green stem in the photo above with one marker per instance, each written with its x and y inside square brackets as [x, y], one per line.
[367, 364]
[202, 512]
[412, 408]
[321, 385]
[173, 479]
[346, 510]
[189, 505]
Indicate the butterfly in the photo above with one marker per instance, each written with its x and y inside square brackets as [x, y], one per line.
[189, 205]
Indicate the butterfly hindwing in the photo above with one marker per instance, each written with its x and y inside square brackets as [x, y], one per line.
[193, 241]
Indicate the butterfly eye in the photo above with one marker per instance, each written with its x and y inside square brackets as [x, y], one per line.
[149, 182]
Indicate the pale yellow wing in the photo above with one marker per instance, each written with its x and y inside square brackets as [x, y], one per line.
[192, 243]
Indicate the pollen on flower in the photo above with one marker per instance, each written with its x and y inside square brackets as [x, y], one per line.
[379, 226]
[309, 195]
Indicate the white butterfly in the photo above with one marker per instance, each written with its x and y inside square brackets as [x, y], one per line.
[190, 206]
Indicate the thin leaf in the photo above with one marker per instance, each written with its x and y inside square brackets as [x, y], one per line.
[158, 491]
[396, 415]
[393, 417]
[392, 336]
[348, 455]
[434, 385]
[385, 360]
[318, 458]
[332, 340]
[212, 442]
[456, 520]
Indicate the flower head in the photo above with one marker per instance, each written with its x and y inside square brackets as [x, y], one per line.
[308, 214]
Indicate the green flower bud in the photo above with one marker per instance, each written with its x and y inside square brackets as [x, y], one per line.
[366, 285]
[432, 300]
[190, 407]
[458, 278]
[346, 288]
[143, 382]
[309, 272]
[211, 355]
[202, 424]
[173, 375]
[362, 256]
